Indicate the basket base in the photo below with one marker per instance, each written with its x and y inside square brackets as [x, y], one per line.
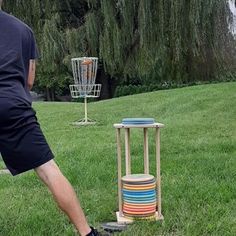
[83, 122]
[121, 219]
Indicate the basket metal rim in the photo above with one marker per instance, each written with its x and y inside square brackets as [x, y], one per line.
[82, 58]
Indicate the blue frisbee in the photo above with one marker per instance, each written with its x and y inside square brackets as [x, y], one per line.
[138, 121]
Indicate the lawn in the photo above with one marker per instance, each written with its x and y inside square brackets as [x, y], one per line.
[198, 161]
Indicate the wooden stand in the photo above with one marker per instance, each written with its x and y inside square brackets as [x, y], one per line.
[120, 216]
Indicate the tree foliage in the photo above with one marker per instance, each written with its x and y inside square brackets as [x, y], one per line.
[150, 40]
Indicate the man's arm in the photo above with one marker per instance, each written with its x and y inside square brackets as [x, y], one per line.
[31, 76]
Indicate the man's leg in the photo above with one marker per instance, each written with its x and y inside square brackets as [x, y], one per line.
[64, 195]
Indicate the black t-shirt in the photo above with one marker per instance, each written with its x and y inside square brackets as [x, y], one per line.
[17, 47]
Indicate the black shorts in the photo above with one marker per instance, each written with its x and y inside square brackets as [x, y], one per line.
[22, 143]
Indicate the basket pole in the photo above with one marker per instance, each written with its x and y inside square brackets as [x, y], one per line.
[85, 109]
[84, 73]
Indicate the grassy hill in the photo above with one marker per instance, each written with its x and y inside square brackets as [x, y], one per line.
[198, 154]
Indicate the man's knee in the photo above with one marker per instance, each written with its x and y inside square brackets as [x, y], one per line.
[48, 171]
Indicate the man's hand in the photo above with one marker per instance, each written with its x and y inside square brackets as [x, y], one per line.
[31, 76]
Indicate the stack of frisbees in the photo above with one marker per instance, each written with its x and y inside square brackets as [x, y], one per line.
[139, 195]
[138, 121]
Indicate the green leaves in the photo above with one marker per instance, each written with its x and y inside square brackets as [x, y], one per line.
[162, 40]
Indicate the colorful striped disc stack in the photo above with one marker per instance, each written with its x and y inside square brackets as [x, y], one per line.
[139, 195]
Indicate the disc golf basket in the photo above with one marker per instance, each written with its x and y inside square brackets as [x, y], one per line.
[84, 73]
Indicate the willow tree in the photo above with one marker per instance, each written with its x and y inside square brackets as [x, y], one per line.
[182, 40]
[141, 41]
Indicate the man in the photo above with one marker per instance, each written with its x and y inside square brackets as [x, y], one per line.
[22, 143]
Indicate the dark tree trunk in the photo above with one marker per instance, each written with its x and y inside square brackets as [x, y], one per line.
[50, 94]
[108, 84]
[47, 94]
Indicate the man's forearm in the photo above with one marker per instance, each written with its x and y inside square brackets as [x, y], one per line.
[31, 76]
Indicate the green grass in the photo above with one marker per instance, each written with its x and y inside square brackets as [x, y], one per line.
[198, 154]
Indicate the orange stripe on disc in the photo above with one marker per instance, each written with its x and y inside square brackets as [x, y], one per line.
[139, 209]
[139, 213]
[139, 205]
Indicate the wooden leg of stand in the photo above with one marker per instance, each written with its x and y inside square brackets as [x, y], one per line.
[158, 174]
[146, 154]
[127, 151]
[119, 169]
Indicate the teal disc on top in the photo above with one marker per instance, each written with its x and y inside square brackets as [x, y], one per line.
[138, 121]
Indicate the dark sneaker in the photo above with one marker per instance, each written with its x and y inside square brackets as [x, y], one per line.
[94, 232]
